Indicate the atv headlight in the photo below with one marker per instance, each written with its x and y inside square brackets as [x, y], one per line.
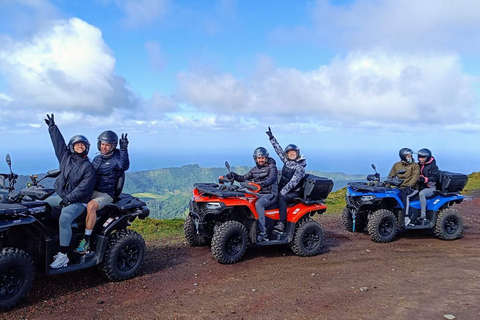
[213, 205]
[367, 198]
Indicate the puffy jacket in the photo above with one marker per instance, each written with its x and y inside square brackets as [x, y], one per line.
[293, 171]
[266, 176]
[108, 169]
[77, 179]
[429, 170]
[410, 177]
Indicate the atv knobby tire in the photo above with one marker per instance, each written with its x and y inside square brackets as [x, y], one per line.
[124, 255]
[308, 238]
[191, 235]
[16, 276]
[229, 242]
[347, 221]
[449, 224]
[382, 226]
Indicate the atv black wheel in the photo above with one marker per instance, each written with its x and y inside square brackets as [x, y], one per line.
[382, 226]
[16, 276]
[229, 242]
[449, 225]
[308, 238]
[191, 235]
[347, 221]
[124, 255]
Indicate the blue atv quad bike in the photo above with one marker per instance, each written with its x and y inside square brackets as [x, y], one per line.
[380, 206]
[29, 237]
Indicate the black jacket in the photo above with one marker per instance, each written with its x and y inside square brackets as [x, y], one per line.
[266, 176]
[430, 172]
[77, 179]
[108, 169]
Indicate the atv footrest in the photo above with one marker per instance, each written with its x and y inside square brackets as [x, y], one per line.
[272, 242]
[74, 267]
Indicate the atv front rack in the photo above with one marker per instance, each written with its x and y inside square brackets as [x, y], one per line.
[215, 190]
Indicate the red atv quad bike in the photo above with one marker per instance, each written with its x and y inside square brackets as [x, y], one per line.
[224, 216]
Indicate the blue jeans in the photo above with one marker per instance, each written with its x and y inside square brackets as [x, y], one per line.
[260, 205]
[67, 215]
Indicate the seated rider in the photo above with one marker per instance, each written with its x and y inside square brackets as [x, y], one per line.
[109, 166]
[408, 165]
[74, 185]
[293, 172]
[407, 170]
[265, 174]
[427, 180]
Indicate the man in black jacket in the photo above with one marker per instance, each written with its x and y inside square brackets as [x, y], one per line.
[264, 174]
[74, 185]
[109, 165]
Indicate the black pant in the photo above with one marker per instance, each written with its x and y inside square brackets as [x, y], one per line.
[282, 204]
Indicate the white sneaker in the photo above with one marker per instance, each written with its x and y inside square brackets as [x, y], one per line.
[61, 260]
[407, 221]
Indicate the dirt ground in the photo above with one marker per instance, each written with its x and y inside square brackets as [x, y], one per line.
[417, 276]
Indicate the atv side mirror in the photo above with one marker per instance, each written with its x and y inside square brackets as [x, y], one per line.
[374, 168]
[401, 171]
[227, 165]
[9, 161]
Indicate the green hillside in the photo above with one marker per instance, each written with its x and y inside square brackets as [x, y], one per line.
[168, 191]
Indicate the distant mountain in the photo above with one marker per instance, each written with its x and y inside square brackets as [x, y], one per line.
[168, 191]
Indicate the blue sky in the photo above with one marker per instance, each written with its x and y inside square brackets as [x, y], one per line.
[350, 82]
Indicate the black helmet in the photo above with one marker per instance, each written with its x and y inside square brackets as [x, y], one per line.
[260, 152]
[79, 138]
[403, 153]
[292, 147]
[425, 153]
[107, 137]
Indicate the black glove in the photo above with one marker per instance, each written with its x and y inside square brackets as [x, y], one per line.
[124, 141]
[231, 176]
[269, 133]
[64, 203]
[50, 121]
[421, 179]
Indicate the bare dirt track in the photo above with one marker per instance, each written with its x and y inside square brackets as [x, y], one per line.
[417, 276]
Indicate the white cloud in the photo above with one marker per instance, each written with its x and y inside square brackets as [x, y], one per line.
[69, 67]
[401, 25]
[156, 55]
[142, 12]
[378, 86]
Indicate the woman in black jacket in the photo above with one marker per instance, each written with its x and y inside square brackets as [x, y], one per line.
[74, 185]
[427, 180]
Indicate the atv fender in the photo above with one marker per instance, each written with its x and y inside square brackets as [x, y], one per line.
[439, 202]
[5, 225]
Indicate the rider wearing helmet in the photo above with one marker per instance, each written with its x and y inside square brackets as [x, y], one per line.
[109, 165]
[407, 170]
[290, 183]
[412, 171]
[264, 174]
[427, 180]
[74, 185]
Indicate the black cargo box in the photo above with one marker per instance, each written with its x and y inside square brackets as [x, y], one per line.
[451, 182]
[127, 202]
[316, 188]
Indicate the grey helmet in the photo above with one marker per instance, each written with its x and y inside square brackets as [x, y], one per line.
[292, 147]
[107, 137]
[403, 153]
[425, 153]
[79, 138]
